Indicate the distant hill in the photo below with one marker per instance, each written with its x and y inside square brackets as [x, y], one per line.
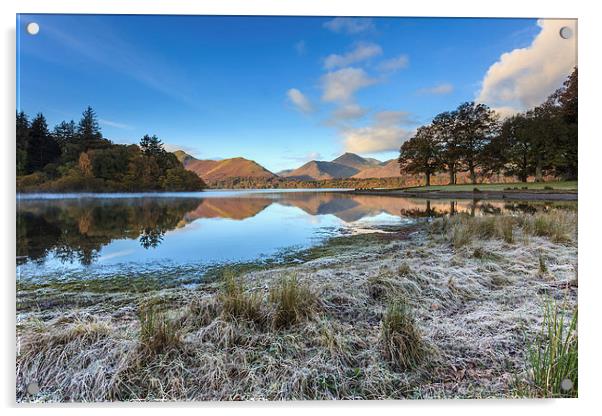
[357, 162]
[318, 170]
[183, 157]
[388, 169]
[345, 166]
[215, 170]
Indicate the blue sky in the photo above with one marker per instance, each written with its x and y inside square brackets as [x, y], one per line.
[278, 90]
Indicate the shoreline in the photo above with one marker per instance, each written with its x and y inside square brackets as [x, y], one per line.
[509, 194]
[475, 307]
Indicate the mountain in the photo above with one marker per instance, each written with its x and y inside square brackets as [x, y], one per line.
[215, 170]
[357, 162]
[388, 169]
[344, 166]
[318, 170]
[183, 157]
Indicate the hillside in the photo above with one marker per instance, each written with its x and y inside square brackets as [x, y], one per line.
[318, 170]
[388, 169]
[357, 162]
[215, 170]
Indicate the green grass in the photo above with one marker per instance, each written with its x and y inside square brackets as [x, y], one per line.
[539, 186]
[553, 356]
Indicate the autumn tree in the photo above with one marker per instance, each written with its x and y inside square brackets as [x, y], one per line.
[421, 154]
[445, 130]
[476, 124]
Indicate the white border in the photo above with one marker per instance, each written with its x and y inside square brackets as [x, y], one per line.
[590, 174]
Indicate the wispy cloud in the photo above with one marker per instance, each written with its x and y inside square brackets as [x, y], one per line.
[112, 51]
[339, 86]
[394, 64]
[349, 25]
[301, 47]
[114, 124]
[361, 52]
[524, 77]
[440, 89]
[300, 101]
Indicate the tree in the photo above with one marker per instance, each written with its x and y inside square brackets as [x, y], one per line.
[564, 104]
[64, 133]
[152, 146]
[513, 149]
[421, 154]
[42, 148]
[475, 125]
[22, 142]
[89, 135]
[445, 128]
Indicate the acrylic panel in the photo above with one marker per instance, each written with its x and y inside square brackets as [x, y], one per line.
[295, 208]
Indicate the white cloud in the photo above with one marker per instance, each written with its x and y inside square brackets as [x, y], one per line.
[385, 134]
[440, 89]
[300, 101]
[339, 86]
[394, 64]
[361, 52]
[389, 118]
[349, 112]
[524, 77]
[349, 25]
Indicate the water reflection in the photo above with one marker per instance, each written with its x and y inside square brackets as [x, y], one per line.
[209, 227]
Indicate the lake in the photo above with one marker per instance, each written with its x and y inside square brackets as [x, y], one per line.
[81, 236]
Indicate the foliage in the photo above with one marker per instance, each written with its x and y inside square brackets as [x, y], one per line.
[78, 158]
[537, 143]
[421, 154]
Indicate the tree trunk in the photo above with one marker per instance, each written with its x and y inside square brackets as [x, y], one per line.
[428, 178]
[452, 175]
[538, 170]
[473, 174]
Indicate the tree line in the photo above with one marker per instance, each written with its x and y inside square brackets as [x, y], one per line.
[76, 157]
[537, 143]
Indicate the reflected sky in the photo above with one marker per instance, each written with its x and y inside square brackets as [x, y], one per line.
[99, 234]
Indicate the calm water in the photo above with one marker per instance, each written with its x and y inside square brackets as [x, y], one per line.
[83, 236]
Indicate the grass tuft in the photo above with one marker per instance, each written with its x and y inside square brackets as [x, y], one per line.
[293, 302]
[238, 303]
[558, 225]
[402, 343]
[158, 333]
[553, 356]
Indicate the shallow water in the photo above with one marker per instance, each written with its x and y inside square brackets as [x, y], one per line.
[88, 235]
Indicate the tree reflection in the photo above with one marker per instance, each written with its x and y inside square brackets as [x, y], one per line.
[76, 231]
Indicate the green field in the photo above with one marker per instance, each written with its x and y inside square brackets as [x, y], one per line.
[560, 185]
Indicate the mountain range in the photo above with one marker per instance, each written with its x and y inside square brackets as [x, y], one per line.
[348, 165]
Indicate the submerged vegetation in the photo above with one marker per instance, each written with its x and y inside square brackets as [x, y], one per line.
[406, 314]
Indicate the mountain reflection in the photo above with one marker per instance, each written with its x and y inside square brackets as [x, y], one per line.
[75, 230]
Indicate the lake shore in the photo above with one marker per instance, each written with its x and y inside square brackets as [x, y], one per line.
[316, 328]
[511, 195]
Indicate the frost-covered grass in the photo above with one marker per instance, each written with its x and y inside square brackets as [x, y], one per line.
[332, 327]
